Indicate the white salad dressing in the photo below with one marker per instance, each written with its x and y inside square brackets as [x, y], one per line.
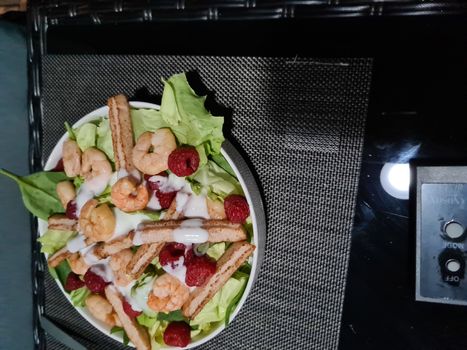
[190, 231]
[89, 189]
[170, 183]
[76, 244]
[125, 222]
[196, 207]
[177, 269]
[88, 255]
[103, 269]
[126, 293]
[153, 203]
[137, 240]
[181, 199]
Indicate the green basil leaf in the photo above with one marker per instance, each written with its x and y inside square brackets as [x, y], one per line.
[38, 191]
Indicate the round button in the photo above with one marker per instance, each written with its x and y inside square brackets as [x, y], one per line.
[453, 230]
[453, 265]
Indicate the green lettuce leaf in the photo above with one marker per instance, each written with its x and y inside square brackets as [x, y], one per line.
[39, 192]
[104, 138]
[86, 136]
[78, 296]
[105, 197]
[187, 116]
[146, 320]
[171, 316]
[152, 215]
[71, 133]
[222, 162]
[54, 240]
[116, 329]
[146, 120]
[78, 181]
[216, 309]
[214, 181]
[61, 272]
[216, 250]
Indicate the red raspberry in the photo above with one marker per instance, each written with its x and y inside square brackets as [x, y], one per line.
[153, 185]
[184, 161]
[199, 270]
[177, 334]
[59, 166]
[165, 198]
[71, 210]
[94, 282]
[171, 253]
[236, 208]
[73, 282]
[129, 310]
[189, 254]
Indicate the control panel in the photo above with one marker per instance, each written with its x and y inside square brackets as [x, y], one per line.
[441, 225]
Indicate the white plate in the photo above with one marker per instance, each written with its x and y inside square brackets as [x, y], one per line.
[55, 157]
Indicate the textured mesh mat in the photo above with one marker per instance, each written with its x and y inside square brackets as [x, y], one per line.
[300, 123]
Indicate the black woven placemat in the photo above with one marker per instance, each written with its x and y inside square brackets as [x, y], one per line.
[300, 123]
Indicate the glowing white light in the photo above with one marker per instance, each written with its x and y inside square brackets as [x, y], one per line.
[395, 179]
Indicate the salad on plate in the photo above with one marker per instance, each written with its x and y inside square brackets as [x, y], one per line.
[144, 221]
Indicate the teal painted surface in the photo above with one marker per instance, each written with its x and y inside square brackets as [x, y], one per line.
[15, 236]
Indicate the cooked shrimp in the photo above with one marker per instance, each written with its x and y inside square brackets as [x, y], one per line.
[95, 163]
[96, 222]
[71, 155]
[77, 264]
[152, 150]
[118, 264]
[66, 192]
[101, 309]
[215, 209]
[128, 196]
[168, 294]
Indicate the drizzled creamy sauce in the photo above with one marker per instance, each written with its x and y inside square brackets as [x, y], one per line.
[103, 269]
[126, 293]
[190, 231]
[76, 244]
[196, 207]
[88, 255]
[137, 240]
[126, 222]
[90, 189]
[178, 269]
[153, 203]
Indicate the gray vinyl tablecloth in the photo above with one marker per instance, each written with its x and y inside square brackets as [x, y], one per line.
[299, 123]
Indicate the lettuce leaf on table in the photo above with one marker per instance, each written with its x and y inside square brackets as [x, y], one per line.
[38, 191]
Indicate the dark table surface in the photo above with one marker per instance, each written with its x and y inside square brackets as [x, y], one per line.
[417, 110]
